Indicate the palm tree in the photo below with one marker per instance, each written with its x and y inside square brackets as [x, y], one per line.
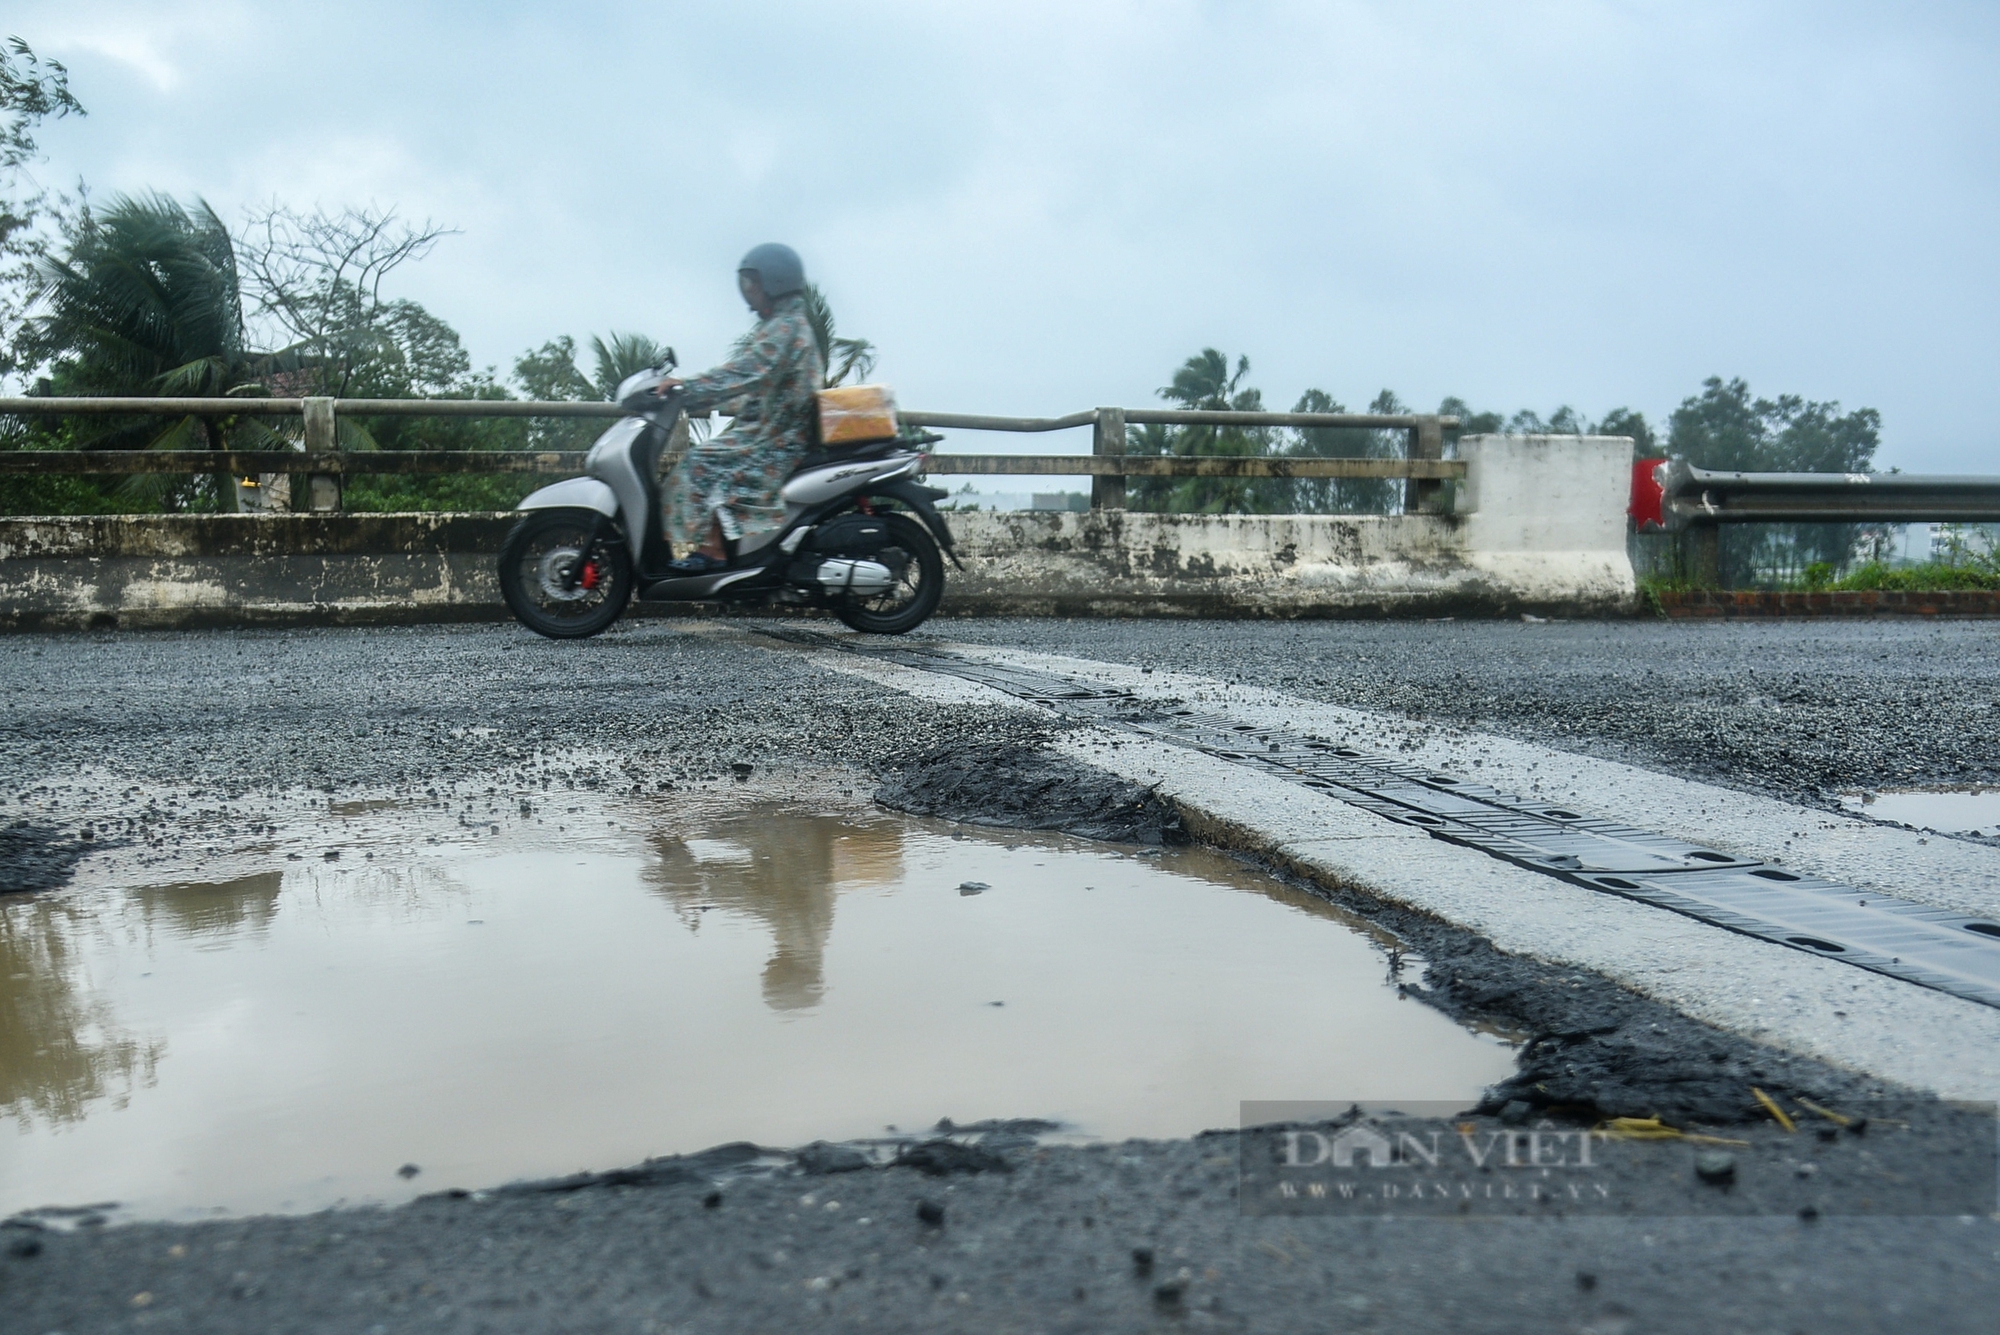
[621, 355]
[842, 357]
[147, 302]
[1206, 383]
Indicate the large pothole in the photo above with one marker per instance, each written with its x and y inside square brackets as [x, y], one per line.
[497, 989]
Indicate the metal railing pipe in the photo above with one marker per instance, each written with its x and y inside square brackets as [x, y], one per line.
[1700, 496]
[45, 463]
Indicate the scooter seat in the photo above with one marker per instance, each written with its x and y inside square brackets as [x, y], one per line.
[848, 453]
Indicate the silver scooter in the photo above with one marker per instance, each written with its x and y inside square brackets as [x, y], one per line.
[861, 536]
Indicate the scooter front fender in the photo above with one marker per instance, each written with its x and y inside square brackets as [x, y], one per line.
[577, 493]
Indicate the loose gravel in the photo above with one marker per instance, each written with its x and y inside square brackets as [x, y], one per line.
[1803, 710]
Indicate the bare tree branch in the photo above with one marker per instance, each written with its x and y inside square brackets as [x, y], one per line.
[314, 280]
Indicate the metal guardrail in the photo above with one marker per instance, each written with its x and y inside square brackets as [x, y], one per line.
[1424, 470]
[1694, 503]
[1698, 496]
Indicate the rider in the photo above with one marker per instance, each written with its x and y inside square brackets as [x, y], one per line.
[726, 489]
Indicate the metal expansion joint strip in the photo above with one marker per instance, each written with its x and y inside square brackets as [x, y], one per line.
[1917, 943]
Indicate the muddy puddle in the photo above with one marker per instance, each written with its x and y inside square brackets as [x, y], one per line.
[495, 995]
[1941, 811]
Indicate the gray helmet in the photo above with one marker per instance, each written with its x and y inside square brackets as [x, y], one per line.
[777, 267]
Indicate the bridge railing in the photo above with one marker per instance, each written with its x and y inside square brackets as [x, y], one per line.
[1424, 469]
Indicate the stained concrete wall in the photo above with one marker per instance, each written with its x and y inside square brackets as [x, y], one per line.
[1545, 516]
[1538, 527]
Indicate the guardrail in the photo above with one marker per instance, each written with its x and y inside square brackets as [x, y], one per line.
[1424, 471]
[1694, 503]
[1694, 496]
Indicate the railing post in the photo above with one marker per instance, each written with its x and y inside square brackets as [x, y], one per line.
[322, 489]
[1702, 554]
[1425, 495]
[1107, 436]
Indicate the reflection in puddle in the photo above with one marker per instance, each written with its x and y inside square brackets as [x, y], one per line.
[215, 911]
[540, 1002]
[1972, 811]
[62, 1051]
[783, 874]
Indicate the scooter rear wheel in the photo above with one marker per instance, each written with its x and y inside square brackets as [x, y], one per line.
[919, 584]
[562, 576]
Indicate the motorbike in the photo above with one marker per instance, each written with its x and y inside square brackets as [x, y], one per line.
[861, 538]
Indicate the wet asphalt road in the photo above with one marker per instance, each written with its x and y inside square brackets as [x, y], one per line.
[1797, 709]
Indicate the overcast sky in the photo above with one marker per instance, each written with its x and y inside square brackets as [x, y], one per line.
[1044, 205]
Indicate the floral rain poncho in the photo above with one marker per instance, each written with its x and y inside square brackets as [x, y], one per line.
[734, 478]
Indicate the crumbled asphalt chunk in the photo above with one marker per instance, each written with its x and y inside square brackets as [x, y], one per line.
[667, 1171]
[930, 1212]
[1715, 1167]
[1025, 788]
[36, 855]
[408, 1171]
[821, 1157]
[943, 1158]
[1593, 1048]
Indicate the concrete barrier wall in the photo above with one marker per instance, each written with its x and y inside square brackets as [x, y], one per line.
[1539, 527]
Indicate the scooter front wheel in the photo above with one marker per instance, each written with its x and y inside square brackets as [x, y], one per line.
[563, 575]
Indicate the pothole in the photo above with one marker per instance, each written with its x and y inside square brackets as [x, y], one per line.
[585, 981]
[1941, 811]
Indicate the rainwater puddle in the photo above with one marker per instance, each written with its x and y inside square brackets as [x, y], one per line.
[1973, 811]
[658, 977]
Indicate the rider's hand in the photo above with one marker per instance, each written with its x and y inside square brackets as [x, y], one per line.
[670, 383]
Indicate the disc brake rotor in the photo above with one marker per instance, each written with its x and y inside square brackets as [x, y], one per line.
[556, 564]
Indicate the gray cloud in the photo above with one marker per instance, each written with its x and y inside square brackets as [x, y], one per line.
[1042, 206]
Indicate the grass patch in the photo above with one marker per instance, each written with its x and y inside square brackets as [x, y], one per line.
[1931, 577]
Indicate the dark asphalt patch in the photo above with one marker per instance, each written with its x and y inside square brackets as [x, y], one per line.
[1024, 788]
[36, 855]
[1593, 1048]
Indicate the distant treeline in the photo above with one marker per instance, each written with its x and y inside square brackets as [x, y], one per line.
[1724, 426]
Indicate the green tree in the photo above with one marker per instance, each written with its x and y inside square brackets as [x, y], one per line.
[31, 91]
[147, 302]
[619, 356]
[548, 374]
[1724, 427]
[1205, 382]
[1627, 422]
[1345, 495]
[1470, 423]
